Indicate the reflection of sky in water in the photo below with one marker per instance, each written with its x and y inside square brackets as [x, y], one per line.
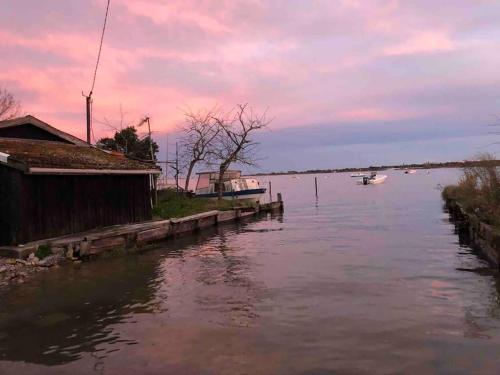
[367, 279]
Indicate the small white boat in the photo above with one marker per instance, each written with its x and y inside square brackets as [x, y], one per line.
[233, 186]
[373, 179]
[410, 171]
[359, 174]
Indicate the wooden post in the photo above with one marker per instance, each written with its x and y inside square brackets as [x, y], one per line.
[270, 192]
[155, 185]
[316, 185]
[280, 201]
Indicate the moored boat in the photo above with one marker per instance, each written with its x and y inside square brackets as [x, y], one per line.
[373, 179]
[233, 186]
[359, 174]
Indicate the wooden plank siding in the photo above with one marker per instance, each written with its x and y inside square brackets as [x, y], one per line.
[55, 205]
[9, 204]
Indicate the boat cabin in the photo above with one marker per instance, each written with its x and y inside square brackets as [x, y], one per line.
[234, 186]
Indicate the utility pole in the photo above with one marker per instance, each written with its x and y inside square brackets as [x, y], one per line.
[150, 140]
[177, 167]
[166, 164]
[144, 120]
[88, 102]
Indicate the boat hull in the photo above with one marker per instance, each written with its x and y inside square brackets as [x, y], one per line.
[253, 194]
[375, 181]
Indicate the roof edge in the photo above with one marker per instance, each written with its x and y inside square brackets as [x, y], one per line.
[74, 171]
[43, 125]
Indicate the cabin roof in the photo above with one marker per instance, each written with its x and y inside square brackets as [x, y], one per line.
[32, 120]
[48, 157]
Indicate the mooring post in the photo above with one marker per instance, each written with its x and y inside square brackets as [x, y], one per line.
[316, 185]
[280, 201]
[270, 193]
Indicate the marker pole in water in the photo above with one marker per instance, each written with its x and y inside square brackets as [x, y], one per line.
[316, 185]
[270, 193]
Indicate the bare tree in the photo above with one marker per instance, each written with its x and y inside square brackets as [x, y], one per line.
[9, 105]
[198, 137]
[234, 142]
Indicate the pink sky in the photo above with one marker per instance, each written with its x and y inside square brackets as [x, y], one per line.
[309, 62]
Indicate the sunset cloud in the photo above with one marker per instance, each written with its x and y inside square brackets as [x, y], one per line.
[320, 62]
[424, 42]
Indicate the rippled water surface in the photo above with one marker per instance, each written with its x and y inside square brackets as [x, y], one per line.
[364, 280]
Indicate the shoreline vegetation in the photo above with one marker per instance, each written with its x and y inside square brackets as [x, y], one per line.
[428, 165]
[474, 206]
[478, 190]
[177, 205]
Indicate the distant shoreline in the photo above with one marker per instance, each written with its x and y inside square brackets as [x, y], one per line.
[450, 164]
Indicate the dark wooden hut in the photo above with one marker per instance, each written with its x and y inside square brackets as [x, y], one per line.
[53, 184]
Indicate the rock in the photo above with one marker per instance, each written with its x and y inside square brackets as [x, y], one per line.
[33, 260]
[58, 251]
[21, 261]
[49, 261]
[3, 269]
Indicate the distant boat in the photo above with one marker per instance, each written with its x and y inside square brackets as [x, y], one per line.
[359, 174]
[373, 179]
[410, 171]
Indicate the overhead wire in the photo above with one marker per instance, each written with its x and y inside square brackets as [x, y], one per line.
[97, 62]
[100, 47]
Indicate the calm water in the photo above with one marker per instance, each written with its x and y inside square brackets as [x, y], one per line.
[365, 280]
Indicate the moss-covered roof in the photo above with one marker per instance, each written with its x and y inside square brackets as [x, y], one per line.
[57, 155]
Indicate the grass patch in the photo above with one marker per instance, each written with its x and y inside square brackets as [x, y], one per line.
[43, 251]
[478, 191]
[173, 205]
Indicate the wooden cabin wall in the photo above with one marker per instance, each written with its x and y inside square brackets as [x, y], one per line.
[53, 205]
[10, 180]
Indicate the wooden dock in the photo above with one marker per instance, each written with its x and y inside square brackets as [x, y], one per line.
[131, 237]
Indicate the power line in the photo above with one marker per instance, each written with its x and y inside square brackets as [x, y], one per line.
[88, 98]
[100, 47]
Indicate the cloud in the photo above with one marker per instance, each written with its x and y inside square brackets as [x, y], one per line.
[332, 62]
[425, 42]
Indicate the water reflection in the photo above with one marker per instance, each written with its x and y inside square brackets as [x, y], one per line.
[372, 280]
[60, 315]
